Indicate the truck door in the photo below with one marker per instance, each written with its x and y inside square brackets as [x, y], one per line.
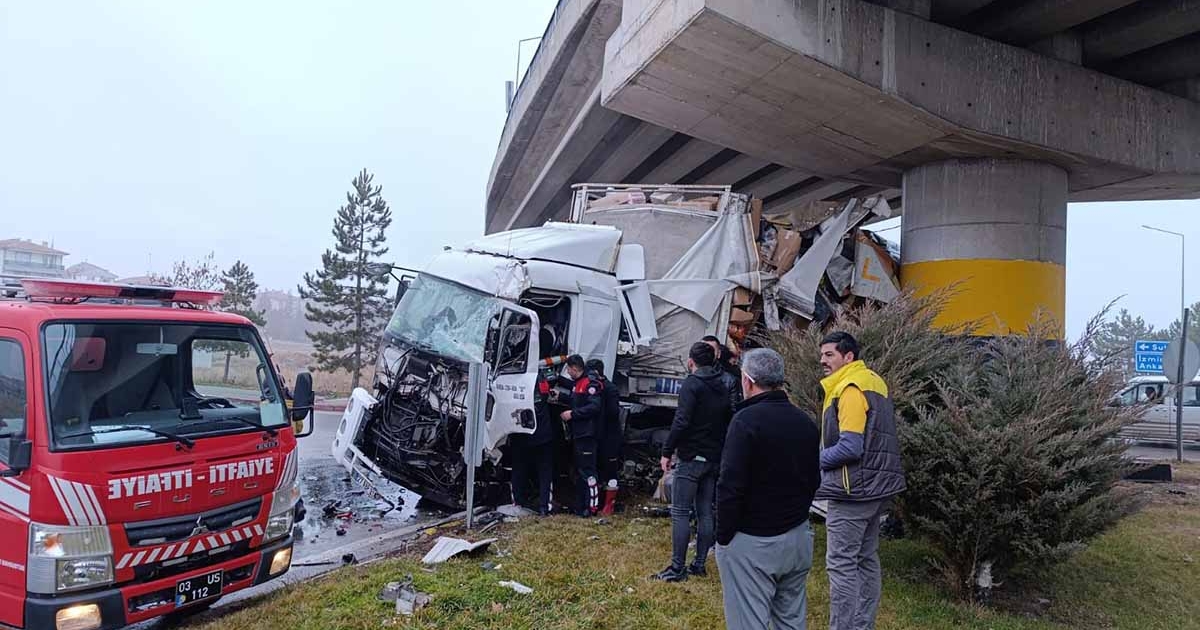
[16, 372]
[599, 325]
[513, 361]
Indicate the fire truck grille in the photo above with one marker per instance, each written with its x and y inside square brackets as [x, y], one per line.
[178, 528]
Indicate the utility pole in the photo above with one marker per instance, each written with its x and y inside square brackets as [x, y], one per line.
[1180, 381]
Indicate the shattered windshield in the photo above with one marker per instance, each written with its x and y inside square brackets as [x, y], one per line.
[444, 318]
[117, 384]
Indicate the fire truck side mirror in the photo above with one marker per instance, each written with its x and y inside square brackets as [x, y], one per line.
[302, 403]
[20, 457]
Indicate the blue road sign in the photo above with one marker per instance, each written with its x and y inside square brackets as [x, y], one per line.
[1148, 356]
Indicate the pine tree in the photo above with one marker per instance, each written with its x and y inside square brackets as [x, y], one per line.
[1172, 331]
[1115, 338]
[240, 290]
[348, 295]
[203, 275]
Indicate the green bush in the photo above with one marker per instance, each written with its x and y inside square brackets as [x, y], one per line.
[899, 342]
[1009, 446]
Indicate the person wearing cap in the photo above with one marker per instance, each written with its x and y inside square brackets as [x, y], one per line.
[586, 412]
[769, 473]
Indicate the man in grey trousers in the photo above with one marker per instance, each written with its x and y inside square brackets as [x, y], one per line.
[769, 472]
[860, 473]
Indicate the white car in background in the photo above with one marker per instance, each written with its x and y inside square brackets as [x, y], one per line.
[1157, 424]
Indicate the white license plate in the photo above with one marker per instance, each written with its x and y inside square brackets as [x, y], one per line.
[198, 588]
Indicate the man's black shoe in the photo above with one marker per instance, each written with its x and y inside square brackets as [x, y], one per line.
[671, 574]
[697, 571]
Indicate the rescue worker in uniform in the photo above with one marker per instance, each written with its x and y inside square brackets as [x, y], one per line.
[586, 412]
[533, 454]
[610, 437]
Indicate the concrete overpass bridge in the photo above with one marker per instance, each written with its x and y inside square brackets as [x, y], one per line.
[981, 118]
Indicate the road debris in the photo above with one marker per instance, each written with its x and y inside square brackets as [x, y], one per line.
[515, 511]
[447, 547]
[411, 600]
[349, 558]
[516, 586]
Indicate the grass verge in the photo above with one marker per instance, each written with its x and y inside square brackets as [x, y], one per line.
[1142, 574]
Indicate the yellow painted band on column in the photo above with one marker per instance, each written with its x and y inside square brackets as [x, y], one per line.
[1000, 296]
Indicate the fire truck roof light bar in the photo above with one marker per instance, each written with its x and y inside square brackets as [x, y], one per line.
[72, 290]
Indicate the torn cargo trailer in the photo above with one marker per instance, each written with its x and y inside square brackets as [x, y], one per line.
[636, 276]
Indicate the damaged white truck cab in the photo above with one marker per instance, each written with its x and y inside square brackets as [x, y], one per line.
[520, 300]
[637, 275]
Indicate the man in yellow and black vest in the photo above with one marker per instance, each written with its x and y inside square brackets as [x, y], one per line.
[860, 473]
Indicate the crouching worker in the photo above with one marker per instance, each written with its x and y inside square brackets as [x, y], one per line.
[586, 412]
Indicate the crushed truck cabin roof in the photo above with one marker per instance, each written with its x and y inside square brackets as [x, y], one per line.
[590, 246]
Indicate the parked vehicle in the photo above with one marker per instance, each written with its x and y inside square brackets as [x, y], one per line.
[136, 478]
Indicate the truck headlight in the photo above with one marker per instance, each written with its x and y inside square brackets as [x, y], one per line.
[283, 506]
[83, 572]
[68, 558]
[278, 526]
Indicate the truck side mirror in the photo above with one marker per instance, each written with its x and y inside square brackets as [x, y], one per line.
[20, 457]
[302, 402]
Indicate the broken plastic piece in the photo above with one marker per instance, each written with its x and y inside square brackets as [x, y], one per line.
[446, 548]
[516, 586]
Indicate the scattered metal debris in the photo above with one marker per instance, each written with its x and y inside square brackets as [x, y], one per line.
[411, 600]
[446, 548]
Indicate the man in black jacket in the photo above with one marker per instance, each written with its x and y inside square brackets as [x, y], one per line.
[533, 454]
[770, 471]
[609, 436]
[732, 376]
[696, 436]
[587, 409]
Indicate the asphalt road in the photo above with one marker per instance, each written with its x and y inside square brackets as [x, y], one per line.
[1163, 453]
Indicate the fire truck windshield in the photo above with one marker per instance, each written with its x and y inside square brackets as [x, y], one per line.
[121, 383]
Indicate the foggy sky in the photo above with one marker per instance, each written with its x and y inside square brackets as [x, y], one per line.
[135, 133]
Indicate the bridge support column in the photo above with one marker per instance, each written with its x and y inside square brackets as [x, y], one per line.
[996, 231]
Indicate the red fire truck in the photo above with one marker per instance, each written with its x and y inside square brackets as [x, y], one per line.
[148, 459]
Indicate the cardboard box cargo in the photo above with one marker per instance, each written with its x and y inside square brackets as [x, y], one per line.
[618, 199]
[699, 203]
[743, 297]
[787, 249]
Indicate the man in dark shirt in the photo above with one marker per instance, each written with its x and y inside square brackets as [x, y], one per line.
[770, 470]
[533, 454]
[732, 376]
[696, 437]
[609, 436]
[587, 409]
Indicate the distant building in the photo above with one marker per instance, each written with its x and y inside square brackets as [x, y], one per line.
[26, 259]
[145, 281]
[88, 272]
